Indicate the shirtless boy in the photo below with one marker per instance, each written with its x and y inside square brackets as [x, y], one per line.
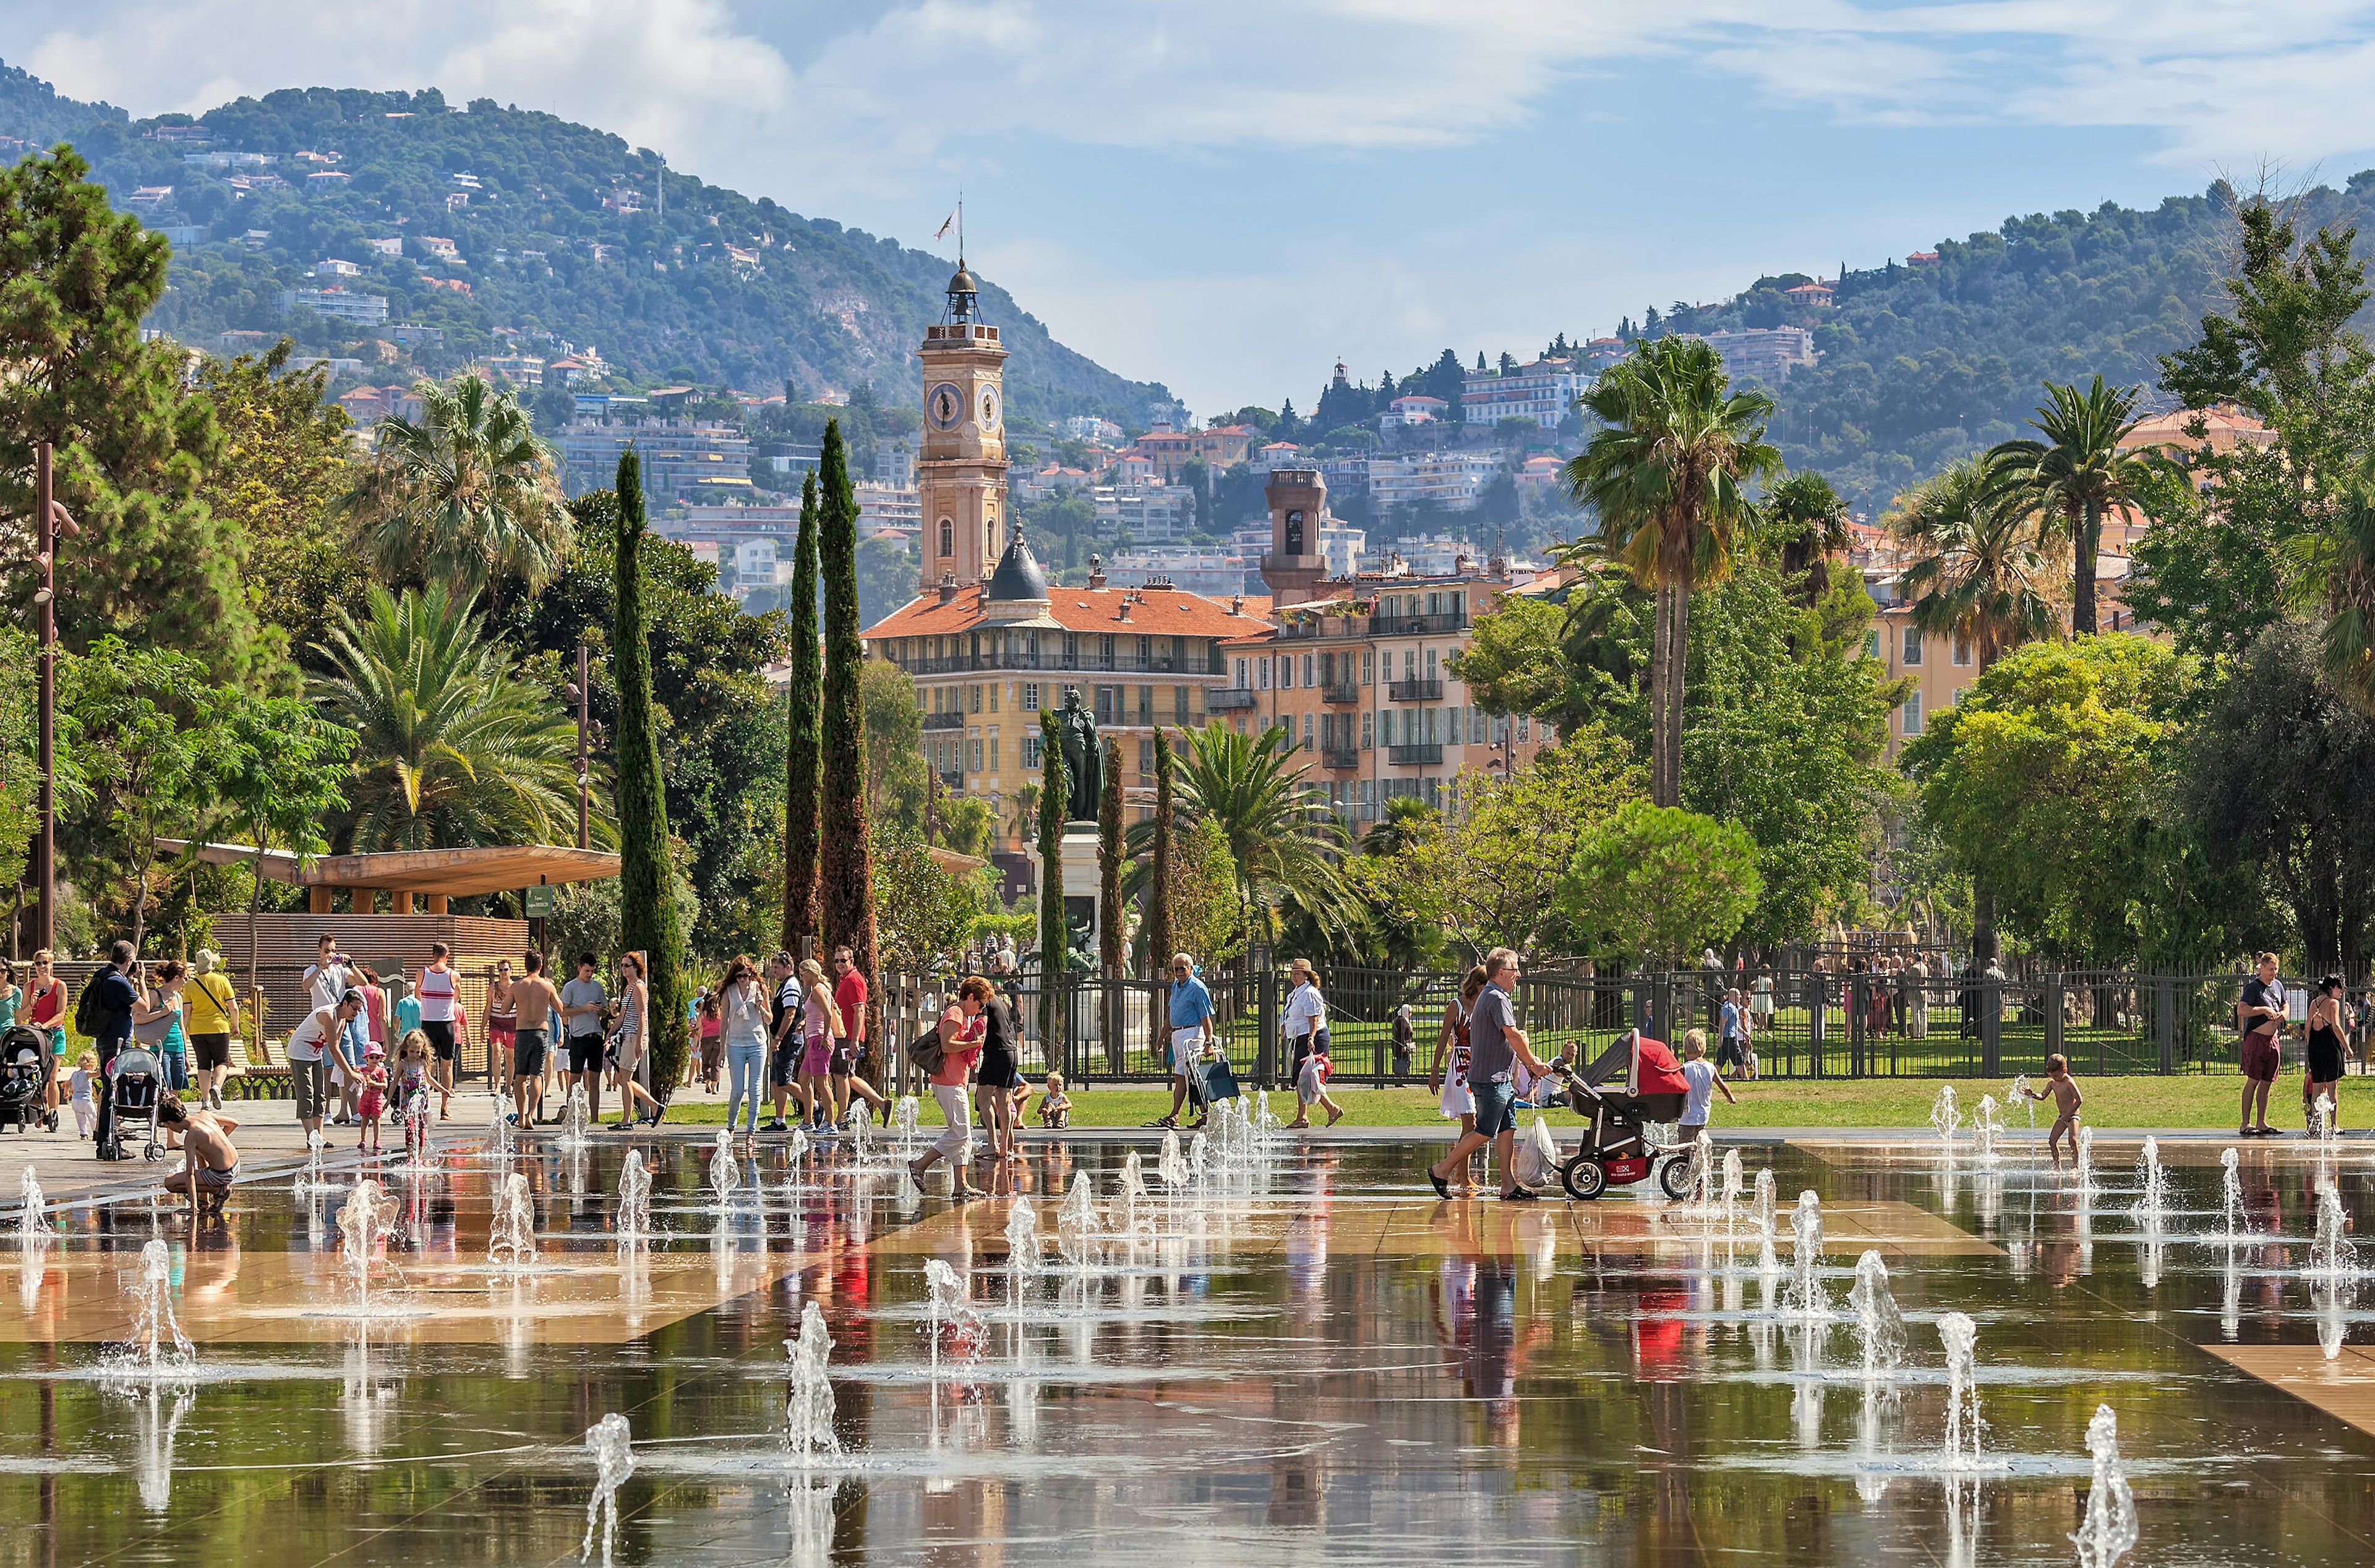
[2064, 1091]
[211, 1160]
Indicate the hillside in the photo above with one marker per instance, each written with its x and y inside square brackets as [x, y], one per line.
[556, 235]
[1920, 363]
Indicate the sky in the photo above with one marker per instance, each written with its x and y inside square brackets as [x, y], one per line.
[1230, 196]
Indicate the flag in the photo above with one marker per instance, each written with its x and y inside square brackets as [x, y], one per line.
[943, 233]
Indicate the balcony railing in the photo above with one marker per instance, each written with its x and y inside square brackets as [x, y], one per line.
[1344, 696]
[1340, 757]
[1417, 625]
[1221, 699]
[1425, 753]
[1048, 659]
[1416, 692]
[951, 720]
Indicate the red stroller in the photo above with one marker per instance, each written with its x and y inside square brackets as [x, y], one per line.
[1634, 1083]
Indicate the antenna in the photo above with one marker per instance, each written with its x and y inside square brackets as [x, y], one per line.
[961, 251]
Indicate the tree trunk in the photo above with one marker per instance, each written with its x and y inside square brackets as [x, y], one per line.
[1660, 637]
[1983, 923]
[1666, 666]
[2082, 576]
[1160, 944]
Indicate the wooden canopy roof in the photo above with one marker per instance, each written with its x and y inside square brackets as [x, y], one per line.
[453, 873]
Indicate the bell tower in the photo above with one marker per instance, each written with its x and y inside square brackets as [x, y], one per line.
[961, 472]
[1296, 566]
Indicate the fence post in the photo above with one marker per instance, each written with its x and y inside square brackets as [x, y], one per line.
[1858, 1023]
[1819, 1002]
[1991, 992]
[2056, 998]
[1265, 1017]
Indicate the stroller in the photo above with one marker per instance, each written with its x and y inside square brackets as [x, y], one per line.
[139, 1079]
[1615, 1151]
[24, 1079]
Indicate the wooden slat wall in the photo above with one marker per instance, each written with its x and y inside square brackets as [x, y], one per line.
[381, 943]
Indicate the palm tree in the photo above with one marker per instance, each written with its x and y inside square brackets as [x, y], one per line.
[1283, 839]
[1022, 820]
[1665, 477]
[453, 748]
[1978, 574]
[1807, 518]
[1405, 818]
[2332, 575]
[2078, 473]
[466, 496]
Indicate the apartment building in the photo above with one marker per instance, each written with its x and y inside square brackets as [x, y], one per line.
[1543, 392]
[1766, 353]
[1450, 480]
[1357, 668]
[362, 310]
[683, 459]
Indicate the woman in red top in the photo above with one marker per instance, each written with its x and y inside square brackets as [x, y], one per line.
[961, 1032]
[43, 1006]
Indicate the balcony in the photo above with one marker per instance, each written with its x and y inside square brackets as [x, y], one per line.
[953, 719]
[1221, 699]
[954, 782]
[1417, 625]
[1340, 757]
[1415, 691]
[1425, 754]
[1345, 696]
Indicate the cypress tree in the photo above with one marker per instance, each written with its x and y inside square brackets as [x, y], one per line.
[649, 920]
[1159, 943]
[801, 758]
[1109, 865]
[845, 863]
[1054, 795]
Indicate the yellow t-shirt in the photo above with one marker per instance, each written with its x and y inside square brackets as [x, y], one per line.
[212, 1006]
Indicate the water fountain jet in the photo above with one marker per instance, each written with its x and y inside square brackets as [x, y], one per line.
[613, 1448]
[2107, 1531]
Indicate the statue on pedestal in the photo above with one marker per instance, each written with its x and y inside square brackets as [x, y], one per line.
[1084, 765]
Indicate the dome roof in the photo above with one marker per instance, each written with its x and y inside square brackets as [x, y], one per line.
[962, 282]
[1018, 576]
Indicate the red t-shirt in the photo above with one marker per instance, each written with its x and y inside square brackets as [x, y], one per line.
[849, 995]
[1660, 1074]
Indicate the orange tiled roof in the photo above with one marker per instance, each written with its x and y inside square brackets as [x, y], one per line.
[1157, 612]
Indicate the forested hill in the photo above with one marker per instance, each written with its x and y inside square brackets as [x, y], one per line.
[1920, 363]
[557, 233]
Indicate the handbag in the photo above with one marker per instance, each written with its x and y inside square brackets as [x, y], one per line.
[154, 1032]
[927, 1051]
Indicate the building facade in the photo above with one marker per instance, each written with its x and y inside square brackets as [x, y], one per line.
[1543, 392]
[681, 459]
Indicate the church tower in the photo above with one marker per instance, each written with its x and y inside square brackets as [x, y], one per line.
[961, 473]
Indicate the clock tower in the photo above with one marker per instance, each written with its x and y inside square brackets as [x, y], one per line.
[961, 473]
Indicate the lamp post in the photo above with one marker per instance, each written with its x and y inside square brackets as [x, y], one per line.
[45, 850]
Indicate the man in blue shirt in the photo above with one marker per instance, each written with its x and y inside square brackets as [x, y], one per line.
[114, 998]
[1728, 1051]
[1191, 1031]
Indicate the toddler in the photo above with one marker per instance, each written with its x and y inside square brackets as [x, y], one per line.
[86, 1109]
[1055, 1106]
[1311, 1086]
[2064, 1091]
[371, 1096]
[412, 1085]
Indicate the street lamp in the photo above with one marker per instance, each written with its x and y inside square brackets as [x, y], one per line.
[50, 520]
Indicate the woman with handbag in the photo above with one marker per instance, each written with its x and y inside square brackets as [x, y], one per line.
[957, 1043]
[630, 1042]
[157, 1023]
[742, 1006]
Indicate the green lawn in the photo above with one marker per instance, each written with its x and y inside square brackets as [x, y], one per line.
[2187, 1099]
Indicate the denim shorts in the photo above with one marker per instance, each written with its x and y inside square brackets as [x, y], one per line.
[1496, 1107]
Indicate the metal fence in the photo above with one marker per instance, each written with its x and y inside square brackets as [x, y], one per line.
[1804, 1023]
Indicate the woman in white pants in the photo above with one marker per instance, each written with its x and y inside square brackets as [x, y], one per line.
[961, 1032]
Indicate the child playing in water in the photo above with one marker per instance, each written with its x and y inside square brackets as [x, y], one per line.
[2064, 1091]
[1704, 1078]
[412, 1082]
[211, 1160]
[1311, 1085]
[1055, 1106]
[370, 1100]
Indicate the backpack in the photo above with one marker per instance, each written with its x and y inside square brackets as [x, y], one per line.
[927, 1051]
[89, 1016]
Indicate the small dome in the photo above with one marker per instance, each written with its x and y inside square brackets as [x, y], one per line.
[1018, 576]
[962, 282]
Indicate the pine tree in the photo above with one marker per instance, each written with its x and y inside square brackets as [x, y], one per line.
[132, 444]
[1055, 797]
[801, 757]
[649, 919]
[1109, 948]
[1159, 943]
[845, 865]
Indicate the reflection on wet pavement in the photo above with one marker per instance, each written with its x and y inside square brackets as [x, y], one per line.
[1302, 1354]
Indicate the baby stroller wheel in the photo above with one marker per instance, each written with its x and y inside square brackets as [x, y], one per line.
[154, 1152]
[50, 1122]
[1583, 1178]
[1674, 1177]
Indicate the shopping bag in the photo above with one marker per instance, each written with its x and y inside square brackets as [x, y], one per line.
[1537, 1155]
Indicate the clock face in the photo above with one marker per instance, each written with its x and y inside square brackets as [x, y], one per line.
[945, 406]
[989, 407]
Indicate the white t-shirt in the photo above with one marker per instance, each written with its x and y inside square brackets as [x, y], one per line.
[305, 1040]
[1700, 1075]
[436, 995]
[326, 986]
[1305, 1011]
